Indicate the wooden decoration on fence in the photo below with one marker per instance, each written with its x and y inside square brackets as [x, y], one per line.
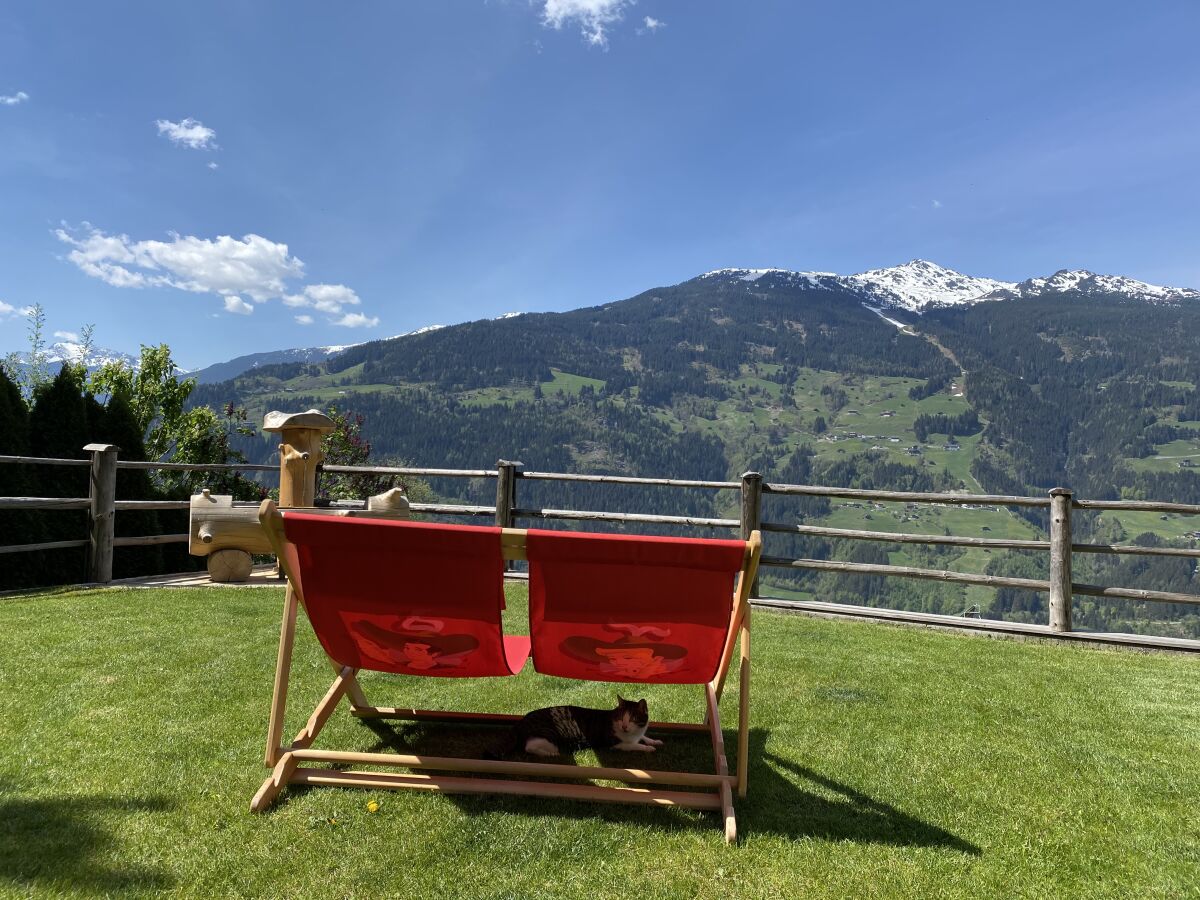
[299, 453]
[228, 533]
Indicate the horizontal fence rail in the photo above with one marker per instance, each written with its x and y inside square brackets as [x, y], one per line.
[440, 509]
[581, 515]
[197, 467]
[44, 502]
[813, 490]
[408, 470]
[45, 545]
[629, 479]
[833, 565]
[901, 538]
[43, 461]
[1187, 509]
[151, 504]
[505, 513]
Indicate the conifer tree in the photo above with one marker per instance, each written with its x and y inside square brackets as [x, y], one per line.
[117, 425]
[59, 428]
[18, 526]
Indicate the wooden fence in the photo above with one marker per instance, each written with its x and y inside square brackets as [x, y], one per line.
[1060, 503]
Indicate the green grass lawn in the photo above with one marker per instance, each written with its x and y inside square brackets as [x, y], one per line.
[886, 762]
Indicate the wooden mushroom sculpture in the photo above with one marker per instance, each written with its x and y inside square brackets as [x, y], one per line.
[299, 453]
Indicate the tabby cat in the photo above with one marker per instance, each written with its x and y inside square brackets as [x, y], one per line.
[564, 729]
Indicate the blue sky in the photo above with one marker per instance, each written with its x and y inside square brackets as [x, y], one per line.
[233, 177]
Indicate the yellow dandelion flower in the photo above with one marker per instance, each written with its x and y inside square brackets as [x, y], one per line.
[373, 806]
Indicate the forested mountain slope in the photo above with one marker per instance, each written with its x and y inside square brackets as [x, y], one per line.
[806, 378]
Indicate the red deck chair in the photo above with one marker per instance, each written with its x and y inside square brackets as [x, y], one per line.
[405, 597]
[653, 610]
[648, 610]
[378, 599]
[386, 596]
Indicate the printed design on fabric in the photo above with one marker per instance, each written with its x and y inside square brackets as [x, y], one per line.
[638, 651]
[417, 643]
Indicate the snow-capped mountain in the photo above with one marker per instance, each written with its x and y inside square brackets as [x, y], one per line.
[1089, 284]
[223, 371]
[71, 351]
[920, 285]
[914, 286]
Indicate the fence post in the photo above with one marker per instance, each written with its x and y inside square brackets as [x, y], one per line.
[506, 491]
[1060, 559]
[751, 516]
[102, 492]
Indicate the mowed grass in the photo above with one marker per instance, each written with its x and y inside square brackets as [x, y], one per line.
[885, 762]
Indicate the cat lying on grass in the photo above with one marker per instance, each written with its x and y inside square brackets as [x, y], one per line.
[557, 730]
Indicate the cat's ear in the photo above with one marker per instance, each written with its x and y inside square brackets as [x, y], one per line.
[641, 704]
[621, 701]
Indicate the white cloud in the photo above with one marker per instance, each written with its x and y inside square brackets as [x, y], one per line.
[13, 99]
[356, 320]
[937, 204]
[253, 266]
[593, 17]
[305, 319]
[651, 25]
[253, 269]
[67, 336]
[189, 133]
[213, 165]
[7, 310]
[326, 298]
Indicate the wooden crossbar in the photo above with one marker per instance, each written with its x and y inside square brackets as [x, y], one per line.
[458, 785]
[508, 767]
[481, 718]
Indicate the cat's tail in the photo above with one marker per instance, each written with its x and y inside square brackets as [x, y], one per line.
[505, 748]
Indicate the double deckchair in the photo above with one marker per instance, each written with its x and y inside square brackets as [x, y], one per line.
[424, 599]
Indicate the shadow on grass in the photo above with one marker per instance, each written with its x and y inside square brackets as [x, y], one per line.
[777, 804]
[63, 843]
[785, 798]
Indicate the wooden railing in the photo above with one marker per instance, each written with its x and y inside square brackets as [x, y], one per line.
[506, 512]
[102, 505]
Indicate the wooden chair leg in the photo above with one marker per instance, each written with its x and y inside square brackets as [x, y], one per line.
[720, 762]
[283, 666]
[275, 783]
[739, 622]
[728, 815]
[358, 699]
[324, 710]
[743, 745]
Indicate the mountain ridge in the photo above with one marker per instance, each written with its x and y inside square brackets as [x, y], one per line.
[915, 287]
[919, 285]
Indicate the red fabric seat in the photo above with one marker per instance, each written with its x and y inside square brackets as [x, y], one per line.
[630, 609]
[407, 597]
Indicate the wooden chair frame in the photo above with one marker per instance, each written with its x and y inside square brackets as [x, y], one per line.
[713, 791]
